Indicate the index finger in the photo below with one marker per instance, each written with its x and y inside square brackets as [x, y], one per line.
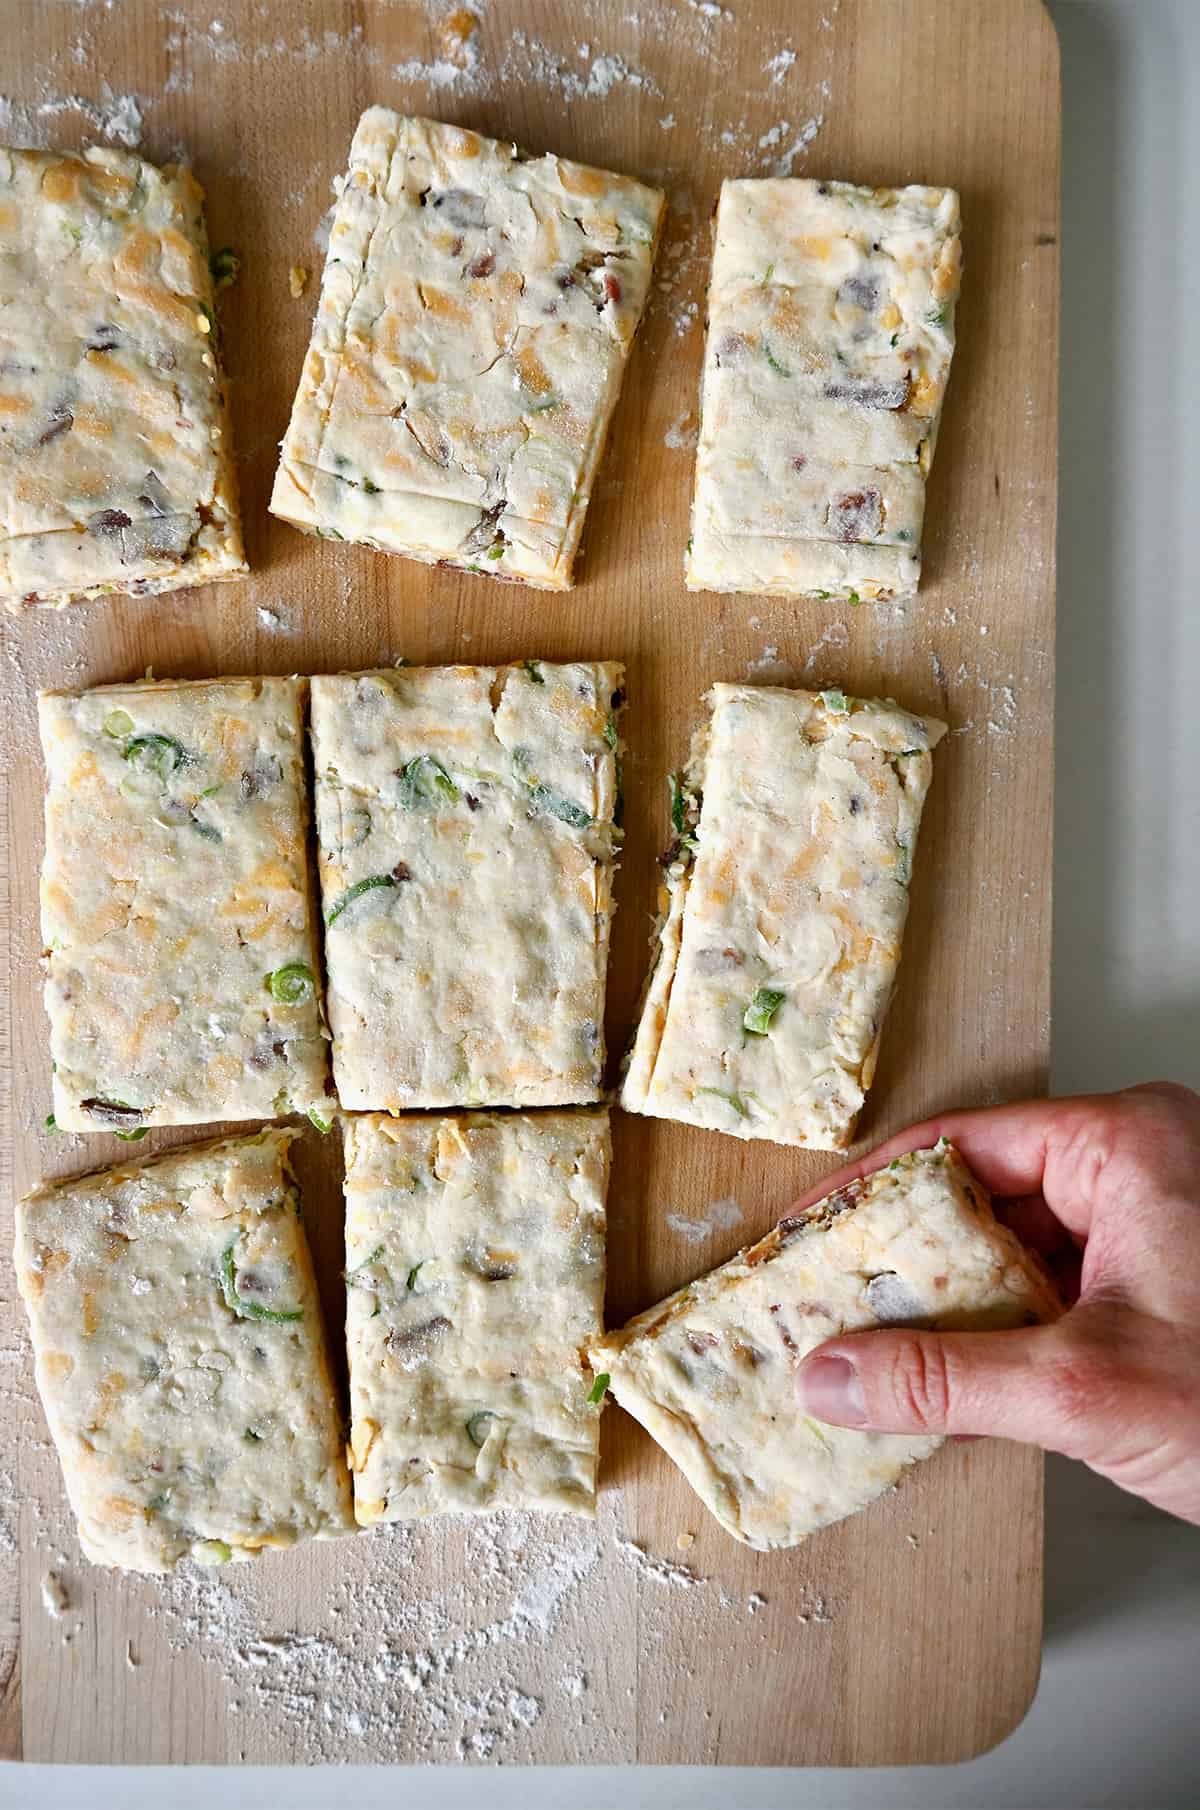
[1005, 1146]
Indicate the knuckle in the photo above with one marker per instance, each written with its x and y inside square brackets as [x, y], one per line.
[1181, 1100]
[921, 1383]
[1084, 1386]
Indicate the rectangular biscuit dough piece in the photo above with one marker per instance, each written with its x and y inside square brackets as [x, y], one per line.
[710, 1372]
[466, 842]
[782, 916]
[474, 1284]
[181, 1356]
[116, 464]
[177, 909]
[830, 335]
[476, 314]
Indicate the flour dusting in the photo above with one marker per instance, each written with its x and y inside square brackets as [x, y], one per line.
[683, 432]
[659, 1571]
[30, 125]
[722, 1216]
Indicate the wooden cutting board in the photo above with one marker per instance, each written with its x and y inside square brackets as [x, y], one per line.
[911, 1633]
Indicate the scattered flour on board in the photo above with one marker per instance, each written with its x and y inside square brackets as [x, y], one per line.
[722, 1216]
[683, 432]
[458, 1639]
[8, 1497]
[56, 1598]
[834, 637]
[782, 166]
[660, 1571]
[117, 117]
[768, 669]
[778, 65]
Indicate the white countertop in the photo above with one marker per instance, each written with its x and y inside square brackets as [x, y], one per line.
[1116, 1718]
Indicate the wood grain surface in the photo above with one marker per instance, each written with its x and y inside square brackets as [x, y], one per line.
[911, 1633]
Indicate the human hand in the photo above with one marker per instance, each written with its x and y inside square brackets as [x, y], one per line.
[1106, 1188]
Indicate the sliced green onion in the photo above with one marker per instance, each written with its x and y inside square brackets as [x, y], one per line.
[157, 1503]
[854, 599]
[678, 802]
[835, 701]
[479, 1426]
[817, 1431]
[413, 1273]
[51, 1122]
[292, 984]
[545, 797]
[736, 1101]
[317, 1118]
[762, 1008]
[155, 753]
[423, 781]
[248, 1310]
[779, 369]
[253, 1437]
[535, 672]
[610, 731]
[599, 1388]
[209, 831]
[131, 1137]
[118, 724]
[212, 1552]
[366, 1262]
[356, 891]
[225, 265]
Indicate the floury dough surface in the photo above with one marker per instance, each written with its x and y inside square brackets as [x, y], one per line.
[710, 1372]
[466, 845]
[116, 468]
[830, 335]
[476, 314]
[782, 916]
[181, 1357]
[181, 968]
[475, 1282]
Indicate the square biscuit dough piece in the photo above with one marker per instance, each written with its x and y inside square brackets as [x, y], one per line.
[466, 846]
[782, 915]
[116, 463]
[830, 335]
[177, 907]
[181, 1357]
[710, 1372]
[476, 314]
[475, 1283]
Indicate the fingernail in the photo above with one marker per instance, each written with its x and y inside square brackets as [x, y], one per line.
[829, 1389]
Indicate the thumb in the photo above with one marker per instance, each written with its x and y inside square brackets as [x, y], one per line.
[1003, 1383]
